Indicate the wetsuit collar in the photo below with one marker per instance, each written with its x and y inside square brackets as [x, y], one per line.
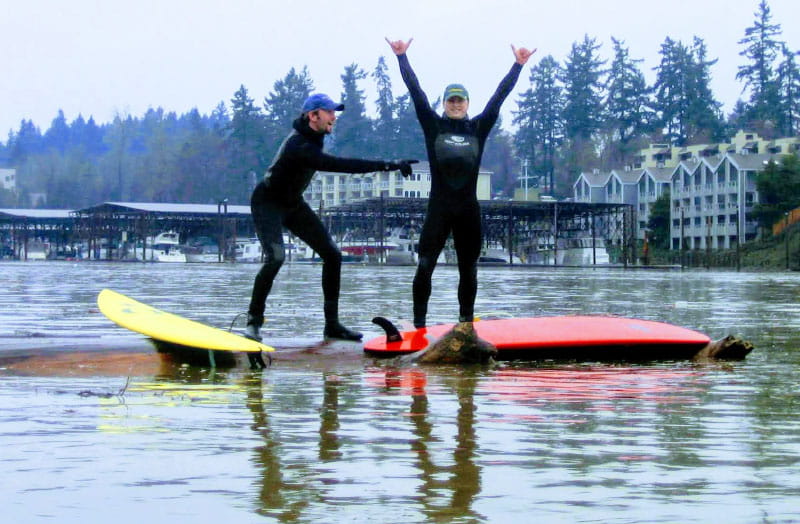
[301, 126]
[444, 115]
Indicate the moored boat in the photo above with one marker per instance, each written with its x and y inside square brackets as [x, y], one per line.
[164, 247]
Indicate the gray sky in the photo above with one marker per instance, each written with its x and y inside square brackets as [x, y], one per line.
[106, 57]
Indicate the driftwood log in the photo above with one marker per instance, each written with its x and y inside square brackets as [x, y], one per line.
[460, 345]
[728, 348]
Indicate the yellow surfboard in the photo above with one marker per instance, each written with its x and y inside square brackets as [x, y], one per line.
[167, 327]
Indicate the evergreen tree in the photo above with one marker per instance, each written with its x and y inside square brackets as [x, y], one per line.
[57, 136]
[385, 126]
[26, 142]
[200, 161]
[498, 157]
[5, 154]
[155, 163]
[220, 119]
[540, 122]
[671, 90]
[353, 130]
[282, 106]
[761, 48]
[582, 114]
[778, 190]
[246, 163]
[92, 138]
[704, 116]
[686, 108]
[117, 165]
[410, 139]
[658, 222]
[789, 94]
[582, 90]
[627, 105]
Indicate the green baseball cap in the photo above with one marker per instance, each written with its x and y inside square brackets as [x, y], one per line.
[455, 90]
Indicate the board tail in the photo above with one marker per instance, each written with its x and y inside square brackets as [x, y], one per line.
[392, 333]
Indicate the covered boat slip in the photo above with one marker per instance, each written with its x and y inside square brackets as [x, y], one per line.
[25, 233]
[535, 231]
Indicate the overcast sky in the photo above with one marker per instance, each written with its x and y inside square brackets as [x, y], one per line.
[105, 57]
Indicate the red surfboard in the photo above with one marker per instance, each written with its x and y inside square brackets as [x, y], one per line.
[563, 337]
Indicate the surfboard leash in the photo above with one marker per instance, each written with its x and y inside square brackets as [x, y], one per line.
[256, 359]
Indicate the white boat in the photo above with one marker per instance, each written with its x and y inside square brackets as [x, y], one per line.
[247, 250]
[164, 247]
[497, 255]
[34, 250]
[370, 250]
[404, 252]
[404, 242]
[582, 251]
[202, 253]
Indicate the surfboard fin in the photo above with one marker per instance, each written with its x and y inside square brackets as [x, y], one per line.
[392, 333]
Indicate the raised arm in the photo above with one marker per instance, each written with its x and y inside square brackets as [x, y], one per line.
[489, 115]
[423, 108]
[398, 46]
[522, 55]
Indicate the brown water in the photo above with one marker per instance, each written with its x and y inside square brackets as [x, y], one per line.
[98, 428]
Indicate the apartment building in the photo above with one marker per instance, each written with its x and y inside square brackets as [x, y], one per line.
[712, 188]
[334, 189]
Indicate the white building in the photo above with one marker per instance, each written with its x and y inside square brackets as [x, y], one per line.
[333, 189]
[8, 179]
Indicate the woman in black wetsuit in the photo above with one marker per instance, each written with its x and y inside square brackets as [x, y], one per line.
[454, 143]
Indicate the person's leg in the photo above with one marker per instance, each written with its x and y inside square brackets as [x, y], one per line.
[267, 219]
[431, 242]
[467, 238]
[307, 226]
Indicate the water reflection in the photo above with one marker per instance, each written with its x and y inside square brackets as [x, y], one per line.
[325, 435]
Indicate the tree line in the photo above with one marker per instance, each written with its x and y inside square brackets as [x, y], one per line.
[575, 114]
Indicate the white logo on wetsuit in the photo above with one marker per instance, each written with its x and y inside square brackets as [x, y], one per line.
[456, 140]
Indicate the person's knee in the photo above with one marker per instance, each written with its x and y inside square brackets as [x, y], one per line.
[275, 255]
[331, 256]
[468, 269]
[426, 264]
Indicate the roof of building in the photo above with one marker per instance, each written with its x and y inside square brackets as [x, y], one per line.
[659, 174]
[35, 213]
[690, 165]
[750, 162]
[166, 208]
[594, 179]
[626, 177]
[713, 161]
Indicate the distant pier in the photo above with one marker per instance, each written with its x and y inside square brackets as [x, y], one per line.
[533, 232]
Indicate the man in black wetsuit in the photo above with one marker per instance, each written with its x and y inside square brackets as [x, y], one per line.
[454, 143]
[277, 202]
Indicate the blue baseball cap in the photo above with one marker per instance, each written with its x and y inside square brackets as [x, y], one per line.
[321, 101]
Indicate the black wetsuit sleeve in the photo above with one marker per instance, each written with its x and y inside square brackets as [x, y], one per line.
[425, 113]
[317, 160]
[488, 117]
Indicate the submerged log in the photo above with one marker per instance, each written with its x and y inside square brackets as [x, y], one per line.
[460, 345]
